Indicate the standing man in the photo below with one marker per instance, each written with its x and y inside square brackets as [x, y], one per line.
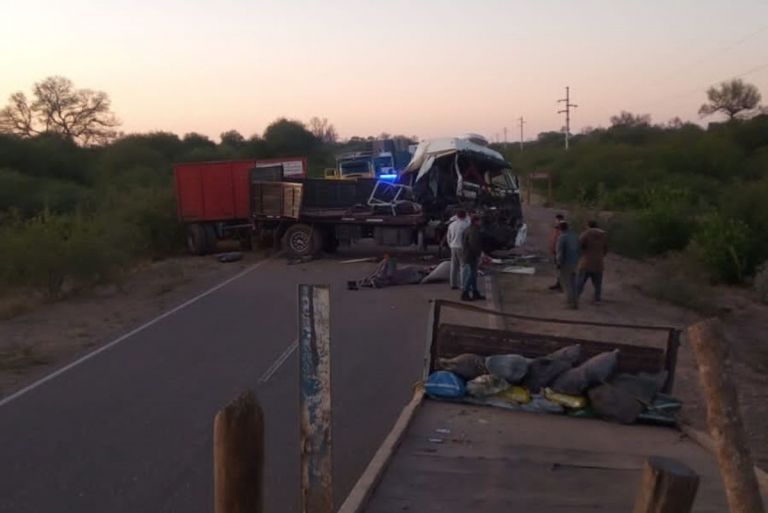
[472, 250]
[455, 240]
[567, 258]
[594, 246]
[553, 236]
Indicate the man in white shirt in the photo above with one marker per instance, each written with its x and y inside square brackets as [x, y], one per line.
[455, 238]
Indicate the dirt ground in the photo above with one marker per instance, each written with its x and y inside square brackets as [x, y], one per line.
[38, 336]
[623, 302]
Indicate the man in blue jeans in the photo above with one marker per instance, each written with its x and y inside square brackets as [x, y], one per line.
[472, 250]
[567, 258]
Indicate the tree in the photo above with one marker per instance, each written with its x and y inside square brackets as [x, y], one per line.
[82, 115]
[627, 119]
[232, 138]
[732, 98]
[288, 138]
[323, 130]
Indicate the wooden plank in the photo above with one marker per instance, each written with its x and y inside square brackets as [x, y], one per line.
[454, 339]
[464, 306]
[667, 486]
[724, 417]
[361, 493]
[238, 456]
[315, 399]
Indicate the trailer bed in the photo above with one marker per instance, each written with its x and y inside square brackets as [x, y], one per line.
[496, 460]
[454, 457]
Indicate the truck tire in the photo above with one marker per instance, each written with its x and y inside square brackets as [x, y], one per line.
[197, 239]
[301, 240]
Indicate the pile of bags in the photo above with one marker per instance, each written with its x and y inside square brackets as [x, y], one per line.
[556, 383]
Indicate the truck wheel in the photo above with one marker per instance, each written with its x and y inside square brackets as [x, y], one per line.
[301, 240]
[197, 239]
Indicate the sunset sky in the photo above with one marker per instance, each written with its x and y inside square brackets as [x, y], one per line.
[417, 67]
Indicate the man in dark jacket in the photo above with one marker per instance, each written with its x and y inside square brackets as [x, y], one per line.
[567, 258]
[472, 250]
[594, 246]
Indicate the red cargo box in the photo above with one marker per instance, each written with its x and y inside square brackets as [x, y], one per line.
[219, 191]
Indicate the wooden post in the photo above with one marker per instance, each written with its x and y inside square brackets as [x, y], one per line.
[315, 398]
[724, 417]
[238, 456]
[528, 188]
[670, 359]
[667, 486]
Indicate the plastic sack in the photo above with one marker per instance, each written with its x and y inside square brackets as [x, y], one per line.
[468, 366]
[663, 411]
[445, 384]
[514, 395]
[614, 403]
[643, 386]
[486, 385]
[594, 371]
[440, 273]
[540, 404]
[511, 367]
[570, 353]
[574, 402]
[543, 371]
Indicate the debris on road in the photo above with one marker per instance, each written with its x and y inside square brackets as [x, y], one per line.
[389, 274]
[359, 260]
[516, 269]
[232, 256]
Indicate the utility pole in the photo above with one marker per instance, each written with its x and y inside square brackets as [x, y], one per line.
[522, 122]
[567, 111]
[505, 137]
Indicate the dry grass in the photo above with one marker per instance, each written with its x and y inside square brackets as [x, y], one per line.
[11, 307]
[18, 357]
[679, 281]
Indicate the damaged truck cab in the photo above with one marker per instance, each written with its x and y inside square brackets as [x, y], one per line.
[463, 173]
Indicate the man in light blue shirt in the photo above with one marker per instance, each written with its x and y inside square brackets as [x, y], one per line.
[454, 238]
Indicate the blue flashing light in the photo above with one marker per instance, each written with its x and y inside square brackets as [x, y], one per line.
[388, 177]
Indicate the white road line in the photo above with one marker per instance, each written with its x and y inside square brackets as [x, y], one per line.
[128, 335]
[279, 362]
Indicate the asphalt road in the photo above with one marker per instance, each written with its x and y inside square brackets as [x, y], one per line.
[130, 430]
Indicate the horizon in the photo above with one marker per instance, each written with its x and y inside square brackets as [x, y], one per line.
[417, 70]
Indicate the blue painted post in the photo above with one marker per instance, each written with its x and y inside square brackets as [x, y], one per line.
[315, 398]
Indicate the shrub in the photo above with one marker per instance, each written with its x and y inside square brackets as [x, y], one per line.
[725, 246]
[50, 250]
[761, 282]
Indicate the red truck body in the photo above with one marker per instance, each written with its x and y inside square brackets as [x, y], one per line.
[219, 191]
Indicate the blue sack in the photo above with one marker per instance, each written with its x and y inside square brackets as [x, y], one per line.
[445, 384]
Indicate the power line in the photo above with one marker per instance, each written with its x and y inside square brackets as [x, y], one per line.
[698, 90]
[567, 111]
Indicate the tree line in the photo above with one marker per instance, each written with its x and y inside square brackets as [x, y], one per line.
[80, 202]
[672, 187]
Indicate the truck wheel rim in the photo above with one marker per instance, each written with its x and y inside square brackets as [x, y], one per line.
[299, 242]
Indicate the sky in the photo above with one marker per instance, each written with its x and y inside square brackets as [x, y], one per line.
[427, 68]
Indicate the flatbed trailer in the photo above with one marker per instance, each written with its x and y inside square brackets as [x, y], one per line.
[312, 215]
[450, 457]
